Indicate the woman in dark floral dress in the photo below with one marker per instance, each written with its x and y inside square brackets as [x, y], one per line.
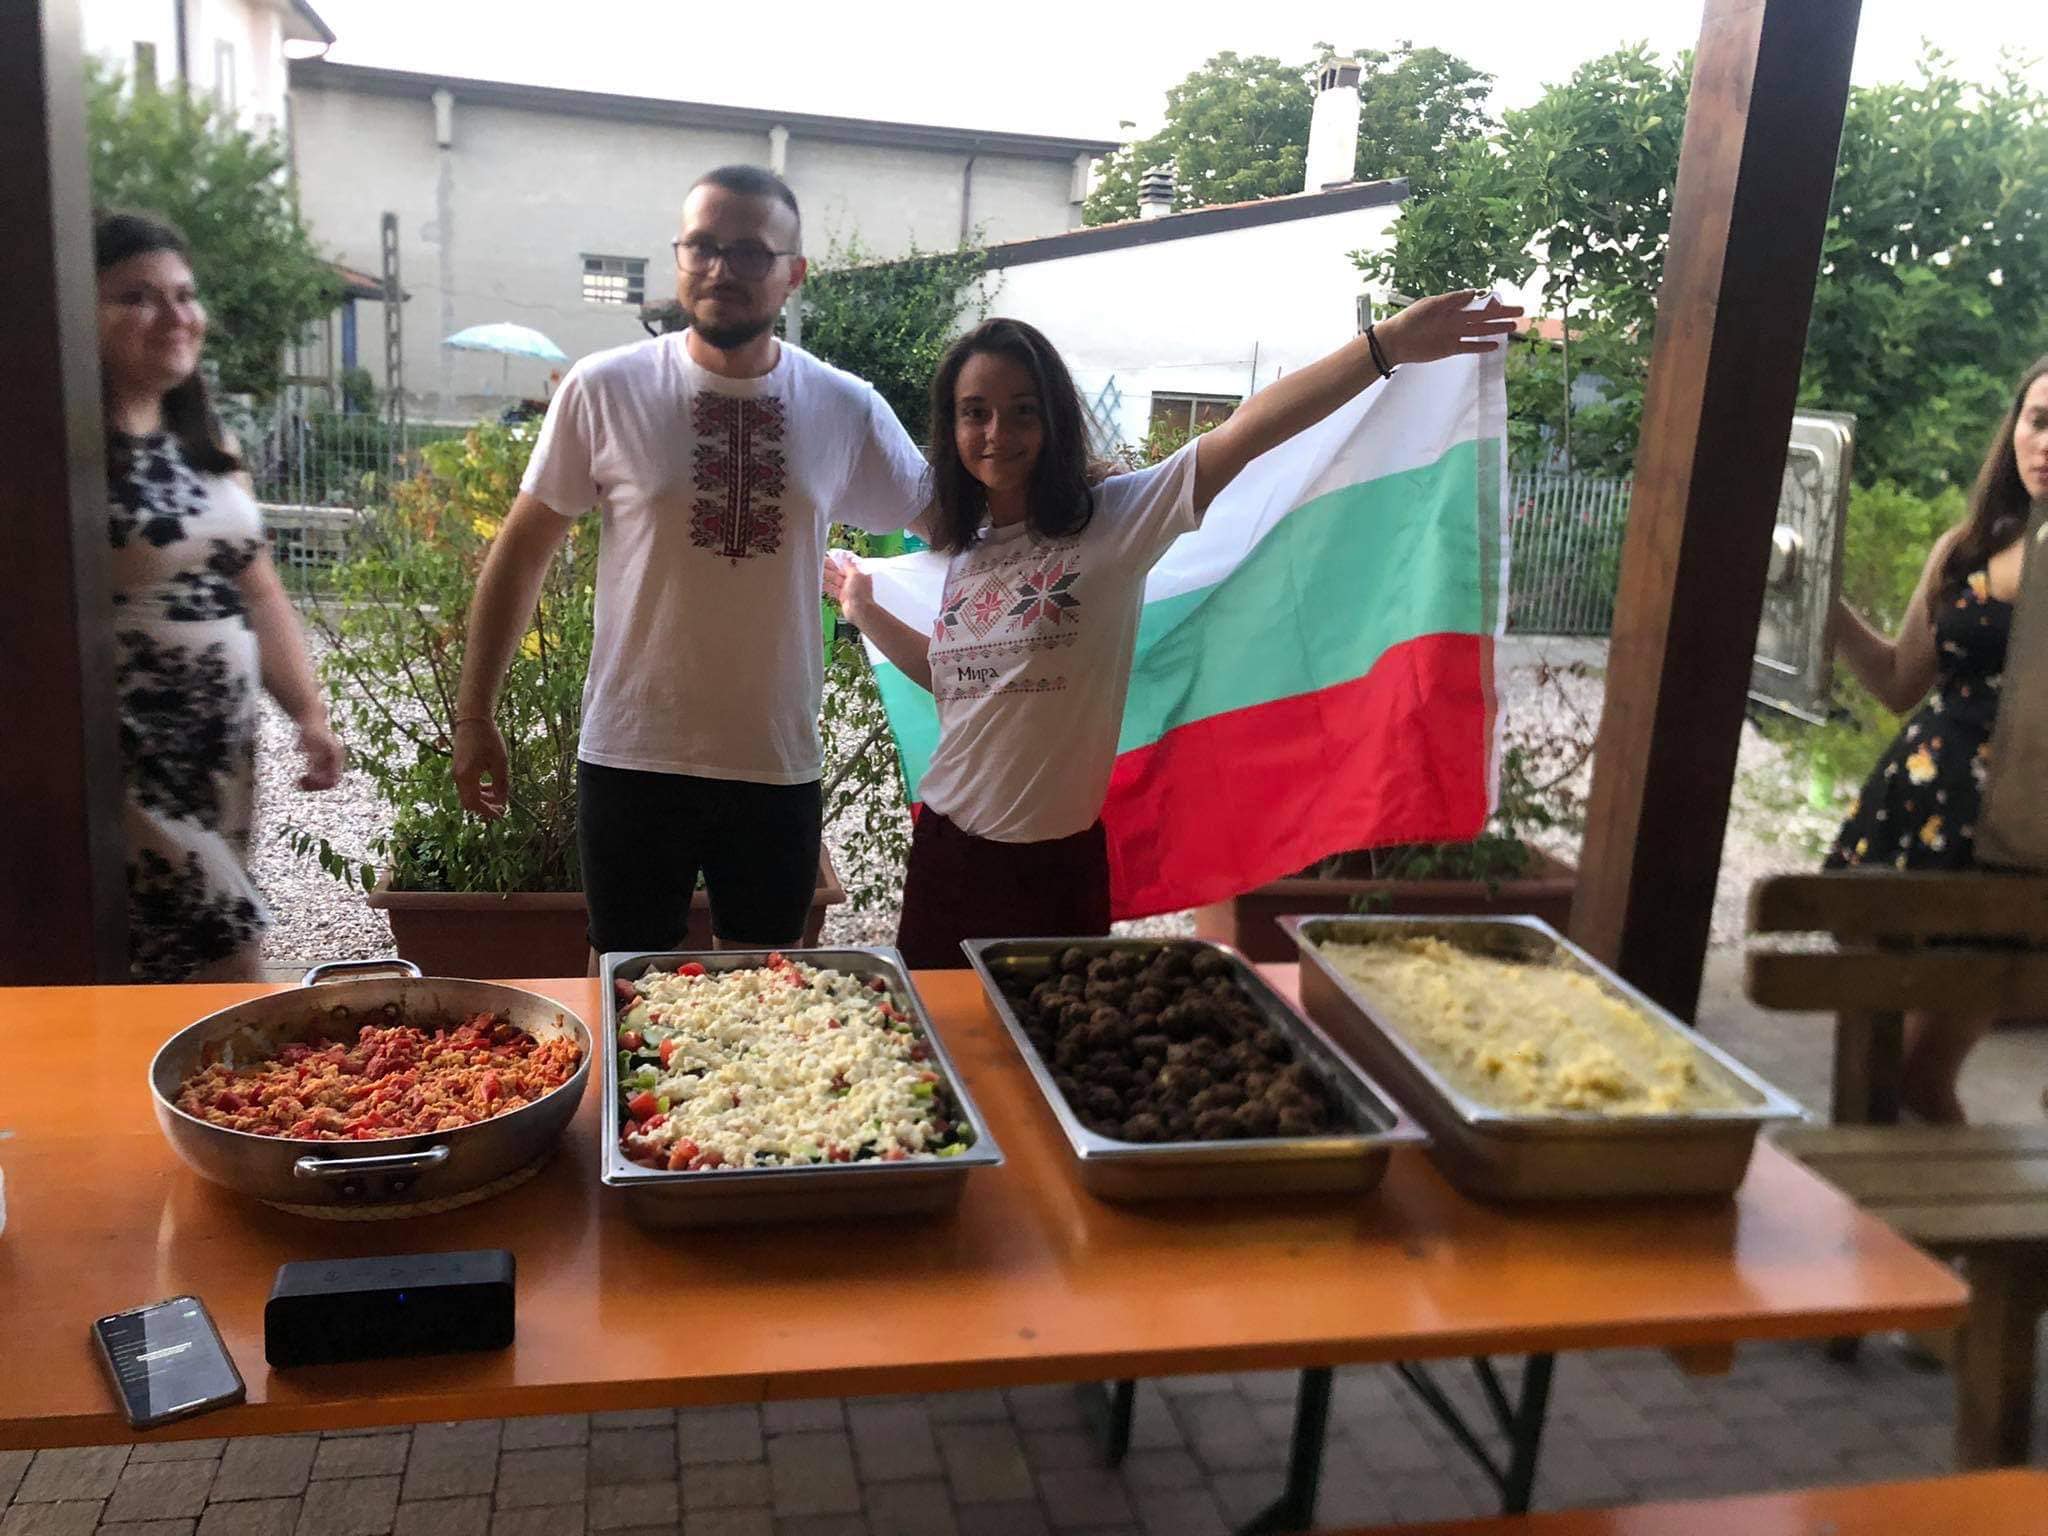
[201, 621]
[1919, 808]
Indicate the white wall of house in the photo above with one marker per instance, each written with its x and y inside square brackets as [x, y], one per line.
[1218, 314]
[496, 224]
[234, 48]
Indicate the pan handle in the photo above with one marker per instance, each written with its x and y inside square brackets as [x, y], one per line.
[401, 1170]
[336, 968]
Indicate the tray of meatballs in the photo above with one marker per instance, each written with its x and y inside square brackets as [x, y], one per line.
[1174, 1070]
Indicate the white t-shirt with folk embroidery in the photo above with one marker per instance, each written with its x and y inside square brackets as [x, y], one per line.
[1031, 657]
[716, 494]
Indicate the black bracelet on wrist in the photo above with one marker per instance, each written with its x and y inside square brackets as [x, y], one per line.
[1379, 356]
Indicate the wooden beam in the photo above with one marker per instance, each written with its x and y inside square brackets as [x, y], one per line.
[1900, 904]
[63, 896]
[1769, 87]
[2006, 983]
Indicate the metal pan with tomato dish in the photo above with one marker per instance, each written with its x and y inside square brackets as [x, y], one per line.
[381, 1090]
[757, 1085]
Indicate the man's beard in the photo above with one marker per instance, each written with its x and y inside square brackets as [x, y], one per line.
[732, 335]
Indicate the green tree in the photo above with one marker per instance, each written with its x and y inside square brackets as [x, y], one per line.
[1237, 128]
[1933, 290]
[259, 272]
[1578, 188]
[1415, 107]
[1933, 294]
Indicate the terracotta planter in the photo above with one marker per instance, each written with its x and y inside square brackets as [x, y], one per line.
[1246, 921]
[532, 933]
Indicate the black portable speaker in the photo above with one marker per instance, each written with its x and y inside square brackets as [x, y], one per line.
[328, 1310]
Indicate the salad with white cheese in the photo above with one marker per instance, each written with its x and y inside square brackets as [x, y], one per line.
[775, 1065]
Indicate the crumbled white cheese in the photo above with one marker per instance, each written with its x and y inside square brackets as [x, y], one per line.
[786, 1063]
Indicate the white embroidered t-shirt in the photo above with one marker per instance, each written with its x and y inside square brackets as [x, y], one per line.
[715, 494]
[1031, 657]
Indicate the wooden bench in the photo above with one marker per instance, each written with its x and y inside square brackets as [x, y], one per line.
[2007, 1503]
[1978, 1194]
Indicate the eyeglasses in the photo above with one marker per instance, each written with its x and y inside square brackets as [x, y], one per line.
[747, 260]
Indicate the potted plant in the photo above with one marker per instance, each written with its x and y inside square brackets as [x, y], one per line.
[1502, 872]
[467, 897]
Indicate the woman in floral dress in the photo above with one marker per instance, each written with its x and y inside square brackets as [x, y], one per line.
[200, 621]
[1919, 808]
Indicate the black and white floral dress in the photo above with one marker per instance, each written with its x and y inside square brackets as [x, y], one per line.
[187, 673]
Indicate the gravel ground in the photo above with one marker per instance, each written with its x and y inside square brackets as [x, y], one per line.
[1771, 829]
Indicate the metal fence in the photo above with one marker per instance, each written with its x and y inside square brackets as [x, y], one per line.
[1565, 561]
[317, 471]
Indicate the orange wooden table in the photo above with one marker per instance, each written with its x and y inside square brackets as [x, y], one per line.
[1030, 1281]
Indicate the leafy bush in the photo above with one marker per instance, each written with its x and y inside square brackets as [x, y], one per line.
[394, 625]
[1886, 543]
[891, 321]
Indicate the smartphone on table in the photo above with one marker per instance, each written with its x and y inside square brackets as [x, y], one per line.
[166, 1361]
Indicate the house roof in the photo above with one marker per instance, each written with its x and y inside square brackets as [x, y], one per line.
[1199, 221]
[360, 285]
[303, 22]
[320, 74]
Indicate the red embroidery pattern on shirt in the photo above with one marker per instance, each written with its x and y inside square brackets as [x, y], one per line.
[739, 474]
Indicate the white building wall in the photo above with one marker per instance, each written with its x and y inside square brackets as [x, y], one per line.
[1215, 314]
[495, 226]
[250, 31]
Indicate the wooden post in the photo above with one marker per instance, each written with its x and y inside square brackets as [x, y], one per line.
[63, 900]
[1754, 178]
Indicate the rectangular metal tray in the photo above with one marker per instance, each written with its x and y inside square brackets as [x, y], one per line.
[728, 1196]
[1112, 1169]
[1505, 1154]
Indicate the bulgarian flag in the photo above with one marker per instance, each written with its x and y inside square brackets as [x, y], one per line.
[1314, 667]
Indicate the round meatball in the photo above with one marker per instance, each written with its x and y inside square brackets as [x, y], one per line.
[1099, 1099]
[1215, 1125]
[1255, 1117]
[1074, 960]
[1209, 962]
[1298, 1122]
[1144, 1126]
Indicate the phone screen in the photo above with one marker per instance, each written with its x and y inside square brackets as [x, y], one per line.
[167, 1360]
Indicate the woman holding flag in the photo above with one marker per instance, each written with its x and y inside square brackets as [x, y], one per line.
[1030, 656]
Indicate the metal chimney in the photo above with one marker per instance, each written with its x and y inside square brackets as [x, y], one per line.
[1333, 127]
[1155, 192]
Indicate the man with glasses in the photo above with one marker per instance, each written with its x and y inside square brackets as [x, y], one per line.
[717, 456]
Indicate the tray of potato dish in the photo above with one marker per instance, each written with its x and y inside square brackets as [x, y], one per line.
[1538, 1073]
[747, 1086]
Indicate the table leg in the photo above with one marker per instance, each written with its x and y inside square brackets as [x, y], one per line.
[1110, 1406]
[1995, 1363]
[1521, 1423]
[1295, 1509]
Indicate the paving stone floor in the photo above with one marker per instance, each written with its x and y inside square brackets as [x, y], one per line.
[1207, 1451]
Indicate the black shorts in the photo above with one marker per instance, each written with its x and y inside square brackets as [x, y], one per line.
[645, 837]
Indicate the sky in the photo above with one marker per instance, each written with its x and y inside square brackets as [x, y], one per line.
[1056, 66]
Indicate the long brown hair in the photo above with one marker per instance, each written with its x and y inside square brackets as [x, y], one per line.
[1998, 502]
[1061, 496]
[189, 415]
